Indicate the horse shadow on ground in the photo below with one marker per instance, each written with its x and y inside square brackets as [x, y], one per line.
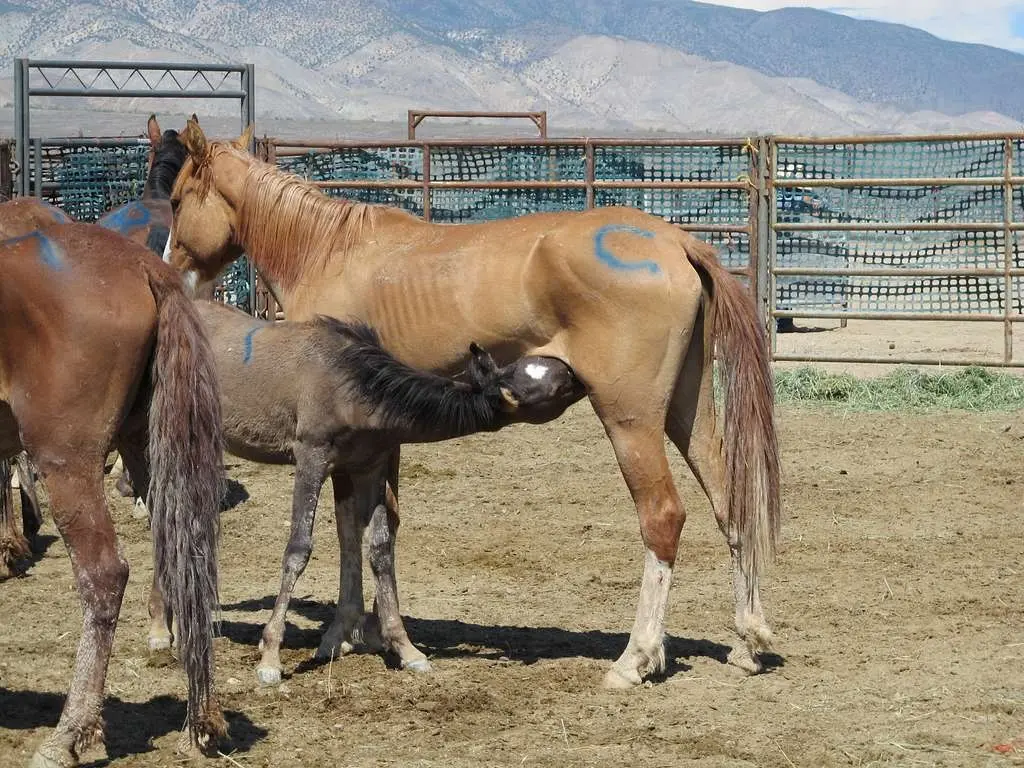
[131, 727]
[449, 638]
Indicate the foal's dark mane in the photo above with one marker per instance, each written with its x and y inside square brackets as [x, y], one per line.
[169, 157]
[404, 395]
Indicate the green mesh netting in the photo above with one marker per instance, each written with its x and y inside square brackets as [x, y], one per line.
[92, 180]
[897, 248]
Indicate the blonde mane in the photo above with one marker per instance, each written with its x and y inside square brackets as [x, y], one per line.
[294, 227]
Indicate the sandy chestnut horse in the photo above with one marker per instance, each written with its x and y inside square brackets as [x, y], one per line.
[100, 348]
[632, 304]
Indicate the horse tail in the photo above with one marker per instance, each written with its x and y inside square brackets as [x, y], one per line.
[750, 444]
[425, 406]
[185, 489]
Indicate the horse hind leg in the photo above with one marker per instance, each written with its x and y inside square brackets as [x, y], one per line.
[14, 546]
[692, 426]
[639, 448]
[101, 572]
[31, 510]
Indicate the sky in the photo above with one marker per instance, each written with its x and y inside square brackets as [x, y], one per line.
[992, 22]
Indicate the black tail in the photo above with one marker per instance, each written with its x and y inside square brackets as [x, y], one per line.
[186, 486]
[428, 406]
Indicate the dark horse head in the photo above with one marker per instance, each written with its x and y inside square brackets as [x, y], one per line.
[148, 220]
[166, 157]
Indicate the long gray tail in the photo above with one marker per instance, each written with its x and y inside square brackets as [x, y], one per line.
[186, 486]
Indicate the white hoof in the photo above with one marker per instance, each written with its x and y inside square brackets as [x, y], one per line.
[268, 675]
[418, 665]
[621, 680]
[159, 644]
[741, 657]
[139, 511]
[52, 760]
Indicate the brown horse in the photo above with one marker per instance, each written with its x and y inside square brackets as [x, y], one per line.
[633, 305]
[100, 348]
[324, 396]
[19, 217]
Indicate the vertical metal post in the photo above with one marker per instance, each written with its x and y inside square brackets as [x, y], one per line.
[248, 109]
[21, 127]
[771, 250]
[1009, 236]
[588, 167]
[37, 165]
[426, 182]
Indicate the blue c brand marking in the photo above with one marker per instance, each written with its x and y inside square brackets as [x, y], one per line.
[49, 252]
[609, 258]
[247, 349]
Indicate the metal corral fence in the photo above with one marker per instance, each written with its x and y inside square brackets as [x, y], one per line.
[886, 228]
[908, 228]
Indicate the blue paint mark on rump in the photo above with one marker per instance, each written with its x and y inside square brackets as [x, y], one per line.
[609, 258]
[49, 252]
[247, 350]
[127, 218]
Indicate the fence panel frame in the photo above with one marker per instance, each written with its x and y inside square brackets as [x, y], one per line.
[1006, 225]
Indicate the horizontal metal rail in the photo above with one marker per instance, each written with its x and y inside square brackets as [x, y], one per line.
[937, 361]
[129, 66]
[907, 226]
[878, 138]
[521, 184]
[287, 147]
[136, 93]
[971, 317]
[909, 272]
[786, 182]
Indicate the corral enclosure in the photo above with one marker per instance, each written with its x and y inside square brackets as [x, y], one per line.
[895, 599]
[871, 229]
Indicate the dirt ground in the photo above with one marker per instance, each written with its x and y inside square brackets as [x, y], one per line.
[896, 340]
[896, 601]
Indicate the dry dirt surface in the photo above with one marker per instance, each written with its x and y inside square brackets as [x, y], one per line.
[896, 600]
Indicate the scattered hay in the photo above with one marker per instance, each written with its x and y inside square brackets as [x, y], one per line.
[904, 389]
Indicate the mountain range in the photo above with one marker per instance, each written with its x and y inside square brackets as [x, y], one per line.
[597, 66]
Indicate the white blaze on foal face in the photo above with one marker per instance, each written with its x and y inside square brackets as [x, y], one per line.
[536, 371]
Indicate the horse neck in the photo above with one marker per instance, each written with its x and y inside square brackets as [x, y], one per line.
[160, 180]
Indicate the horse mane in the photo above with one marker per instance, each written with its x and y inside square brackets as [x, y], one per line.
[405, 396]
[293, 226]
[168, 160]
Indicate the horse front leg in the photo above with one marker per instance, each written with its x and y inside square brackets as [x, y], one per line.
[383, 530]
[101, 572]
[352, 629]
[311, 467]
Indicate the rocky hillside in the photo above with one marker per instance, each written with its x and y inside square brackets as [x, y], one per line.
[596, 66]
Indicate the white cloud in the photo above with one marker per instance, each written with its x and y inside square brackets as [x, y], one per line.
[992, 22]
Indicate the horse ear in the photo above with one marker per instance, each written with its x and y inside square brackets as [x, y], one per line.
[195, 119]
[483, 358]
[194, 140]
[153, 130]
[243, 141]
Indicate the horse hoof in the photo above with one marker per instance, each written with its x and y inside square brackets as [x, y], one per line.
[418, 665]
[618, 680]
[52, 758]
[268, 676]
[139, 511]
[159, 644]
[742, 658]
